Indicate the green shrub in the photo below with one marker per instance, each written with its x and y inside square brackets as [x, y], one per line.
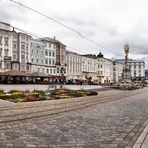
[12, 91]
[14, 96]
[91, 93]
[39, 92]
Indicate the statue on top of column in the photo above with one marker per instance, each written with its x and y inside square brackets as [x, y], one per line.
[126, 48]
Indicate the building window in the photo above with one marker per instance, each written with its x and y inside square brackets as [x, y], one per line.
[14, 56]
[0, 65]
[23, 37]
[49, 44]
[27, 58]
[46, 61]
[23, 67]
[7, 65]
[6, 41]
[46, 53]
[23, 56]
[27, 39]
[6, 52]
[57, 70]
[23, 47]
[1, 40]
[42, 61]
[101, 66]
[50, 53]
[32, 59]
[47, 70]
[54, 71]
[26, 47]
[50, 71]
[14, 46]
[27, 67]
[53, 54]
[37, 60]
[134, 72]
[49, 61]
[53, 62]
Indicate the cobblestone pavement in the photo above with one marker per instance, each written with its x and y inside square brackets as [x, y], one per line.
[115, 124]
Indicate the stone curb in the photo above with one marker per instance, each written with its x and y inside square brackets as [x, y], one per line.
[140, 142]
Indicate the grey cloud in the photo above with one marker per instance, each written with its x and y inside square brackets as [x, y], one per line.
[139, 49]
[10, 12]
[110, 23]
[79, 21]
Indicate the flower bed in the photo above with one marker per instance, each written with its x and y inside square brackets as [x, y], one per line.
[39, 95]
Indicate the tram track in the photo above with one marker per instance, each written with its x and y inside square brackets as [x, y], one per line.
[18, 114]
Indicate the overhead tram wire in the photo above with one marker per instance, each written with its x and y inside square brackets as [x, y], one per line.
[39, 37]
[134, 46]
[62, 24]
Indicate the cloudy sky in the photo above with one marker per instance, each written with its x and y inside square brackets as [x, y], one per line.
[110, 23]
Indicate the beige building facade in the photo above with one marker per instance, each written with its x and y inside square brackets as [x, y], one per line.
[104, 70]
[61, 64]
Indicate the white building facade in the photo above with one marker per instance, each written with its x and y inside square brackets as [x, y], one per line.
[117, 71]
[74, 65]
[137, 68]
[14, 50]
[43, 56]
[89, 69]
[5, 48]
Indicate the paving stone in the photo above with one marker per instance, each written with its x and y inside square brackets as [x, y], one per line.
[107, 125]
